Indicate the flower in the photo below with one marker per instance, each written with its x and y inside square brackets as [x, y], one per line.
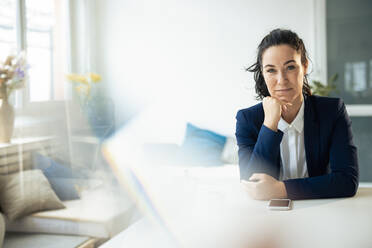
[13, 74]
[94, 77]
[77, 78]
[83, 83]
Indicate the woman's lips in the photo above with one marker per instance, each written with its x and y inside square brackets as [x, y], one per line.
[283, 91]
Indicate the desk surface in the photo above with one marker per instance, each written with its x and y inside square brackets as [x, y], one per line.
[216, 212]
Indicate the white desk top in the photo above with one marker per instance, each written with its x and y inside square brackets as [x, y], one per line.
[212, 212]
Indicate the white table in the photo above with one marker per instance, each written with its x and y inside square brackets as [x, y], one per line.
[216, 212]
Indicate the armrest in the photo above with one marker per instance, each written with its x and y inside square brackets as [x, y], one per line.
[2, 229]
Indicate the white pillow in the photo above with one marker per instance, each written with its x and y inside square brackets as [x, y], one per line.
[230, 151]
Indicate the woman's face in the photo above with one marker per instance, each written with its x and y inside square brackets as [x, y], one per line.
[283, 73]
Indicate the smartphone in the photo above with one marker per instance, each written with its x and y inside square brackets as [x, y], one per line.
[251, 181]
[280, 204]
[254, 180]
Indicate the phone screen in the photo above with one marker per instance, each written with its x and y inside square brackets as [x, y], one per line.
[279, 203]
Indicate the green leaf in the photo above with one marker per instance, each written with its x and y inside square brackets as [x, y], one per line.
[318, 88]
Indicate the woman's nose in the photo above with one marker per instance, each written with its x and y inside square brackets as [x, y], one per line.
[282, 77]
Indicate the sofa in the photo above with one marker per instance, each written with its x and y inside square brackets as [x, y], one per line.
[36, 213]
[2, 228]
[99, 214]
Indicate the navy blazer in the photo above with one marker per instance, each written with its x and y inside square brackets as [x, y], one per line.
[331, 155]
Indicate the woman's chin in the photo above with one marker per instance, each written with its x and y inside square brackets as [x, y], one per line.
[285, 98]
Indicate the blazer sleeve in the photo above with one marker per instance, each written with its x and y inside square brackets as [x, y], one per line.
[342, 181]
[259, 147]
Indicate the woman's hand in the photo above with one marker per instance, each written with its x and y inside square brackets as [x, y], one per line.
[273, 108]
[266, 188]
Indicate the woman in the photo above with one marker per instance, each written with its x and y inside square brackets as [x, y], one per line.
[293, 145]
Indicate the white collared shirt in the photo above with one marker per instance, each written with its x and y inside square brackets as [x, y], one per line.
[292, 148]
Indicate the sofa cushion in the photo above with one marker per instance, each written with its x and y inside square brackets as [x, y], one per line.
[60, 177]
[26, 192]
[230, 151]
[201, 147]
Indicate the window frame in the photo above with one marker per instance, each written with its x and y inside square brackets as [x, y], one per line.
[22, 99]
[20, 25]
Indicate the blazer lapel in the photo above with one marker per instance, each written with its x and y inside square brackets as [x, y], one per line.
[311, 135]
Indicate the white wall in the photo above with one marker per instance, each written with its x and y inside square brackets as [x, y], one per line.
[190, 53]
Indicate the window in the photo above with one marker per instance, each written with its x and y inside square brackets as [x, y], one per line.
[349, 48]
[39, 27]
[349, 54]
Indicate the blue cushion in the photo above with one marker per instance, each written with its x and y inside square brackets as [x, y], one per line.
[202, 147]
[60, 177]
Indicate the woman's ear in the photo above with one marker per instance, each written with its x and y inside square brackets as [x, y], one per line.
[306, 66]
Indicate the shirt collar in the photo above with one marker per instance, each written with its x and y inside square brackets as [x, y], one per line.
[297, 123]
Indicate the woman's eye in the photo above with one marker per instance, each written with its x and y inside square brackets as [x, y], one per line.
[270, 70]
[291, 67]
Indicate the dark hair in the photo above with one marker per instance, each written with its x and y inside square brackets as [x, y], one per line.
[275, 38]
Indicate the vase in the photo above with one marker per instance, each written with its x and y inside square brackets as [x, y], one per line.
[99, 112]
[6, 121]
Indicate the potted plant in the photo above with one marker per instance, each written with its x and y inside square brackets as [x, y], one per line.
[318, 88]
[97, 108]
